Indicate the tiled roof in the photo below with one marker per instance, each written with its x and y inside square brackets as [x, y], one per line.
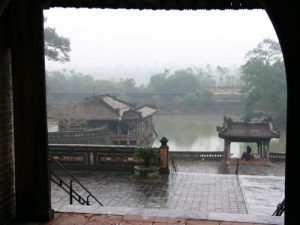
[94, 108]
[106, 107]
[114, 102]
[158, 4]
[250, 131]
[146, 111]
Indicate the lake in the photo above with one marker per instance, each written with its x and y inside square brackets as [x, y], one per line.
[198, 133]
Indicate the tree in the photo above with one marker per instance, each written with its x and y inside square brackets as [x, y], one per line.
[127, 85]
[265, 83]
[57, 48]
[197, 98]
[183, 80]
[205, 77]
[158, 81]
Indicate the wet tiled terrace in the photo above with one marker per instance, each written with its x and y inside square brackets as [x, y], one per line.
[198, 191]
[183, 191]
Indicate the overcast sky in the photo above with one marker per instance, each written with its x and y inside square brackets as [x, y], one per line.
[128, 43]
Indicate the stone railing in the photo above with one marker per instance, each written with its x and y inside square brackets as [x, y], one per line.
[112, 157]
[277, 157]
[92, 136]
[102, 157]
[216, 156]
[137, 138]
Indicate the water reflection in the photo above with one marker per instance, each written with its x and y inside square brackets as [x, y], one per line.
[198, 133]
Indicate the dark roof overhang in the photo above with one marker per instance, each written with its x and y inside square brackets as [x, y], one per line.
[248, 139]
[159, 4]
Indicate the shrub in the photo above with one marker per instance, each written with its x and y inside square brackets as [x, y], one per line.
[148, 155]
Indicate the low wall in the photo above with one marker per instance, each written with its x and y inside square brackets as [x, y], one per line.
[111, 157]
[120, 157]
[95, 157]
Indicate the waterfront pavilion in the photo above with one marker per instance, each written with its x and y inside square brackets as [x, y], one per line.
[259, 133]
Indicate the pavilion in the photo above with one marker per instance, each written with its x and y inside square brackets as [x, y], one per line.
[106, 116]
[260, 133]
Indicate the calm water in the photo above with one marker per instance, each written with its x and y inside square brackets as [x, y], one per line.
[198, 133]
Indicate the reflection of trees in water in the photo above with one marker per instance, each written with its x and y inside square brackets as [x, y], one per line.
[185, 131]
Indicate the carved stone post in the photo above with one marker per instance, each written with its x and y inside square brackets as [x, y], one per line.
[164, 156]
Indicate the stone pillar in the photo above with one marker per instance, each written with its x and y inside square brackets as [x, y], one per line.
[33, 201]
[267, 149]
[226, 150]
[259, 148]
[164, 156]
[263, 150]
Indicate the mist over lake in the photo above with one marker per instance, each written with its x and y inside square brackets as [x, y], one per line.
[198, 133]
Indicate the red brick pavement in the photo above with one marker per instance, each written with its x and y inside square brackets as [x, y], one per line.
[94, 219]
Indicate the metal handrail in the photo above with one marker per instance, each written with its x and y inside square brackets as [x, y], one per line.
[237, 168]
[63, 185]
[71, 190]
[174, 166]
[280, 209]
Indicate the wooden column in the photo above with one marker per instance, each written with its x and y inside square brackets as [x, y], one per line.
[33, 202]
[7, 193]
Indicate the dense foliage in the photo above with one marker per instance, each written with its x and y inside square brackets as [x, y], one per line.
[146, 154]
[57, 48]
[263, 80]
[189, 86]
[265, 83]
[74, 82]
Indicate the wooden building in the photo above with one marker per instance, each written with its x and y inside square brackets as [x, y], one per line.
[24, 175]
[125, 124]
[259, 133]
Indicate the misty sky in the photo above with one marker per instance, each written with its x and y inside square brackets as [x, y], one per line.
[136, 44]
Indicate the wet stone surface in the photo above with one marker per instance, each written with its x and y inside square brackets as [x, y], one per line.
[217, 167]
[199, 187]
[217, 193]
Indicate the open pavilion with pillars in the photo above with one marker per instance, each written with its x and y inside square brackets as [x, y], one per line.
[259, 133]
